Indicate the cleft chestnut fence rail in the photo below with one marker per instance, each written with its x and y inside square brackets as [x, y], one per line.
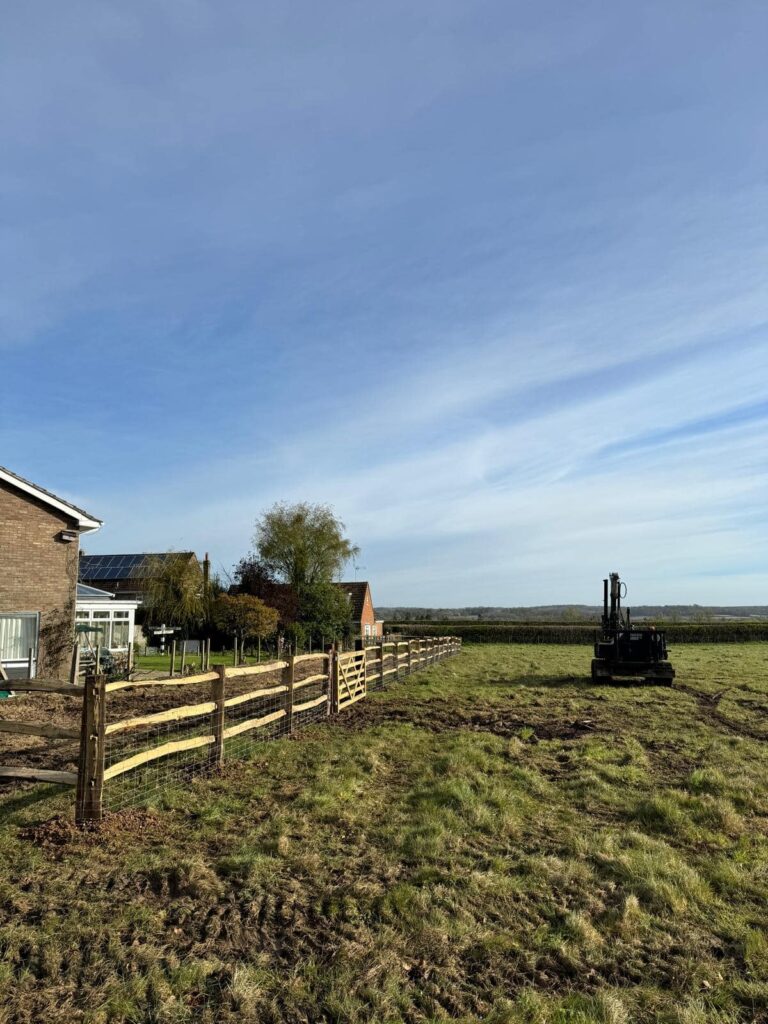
[136, 737]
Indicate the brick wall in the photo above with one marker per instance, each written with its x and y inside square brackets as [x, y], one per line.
[38, 573]
[368, 617]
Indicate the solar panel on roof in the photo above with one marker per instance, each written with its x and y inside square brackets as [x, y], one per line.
[121, 567]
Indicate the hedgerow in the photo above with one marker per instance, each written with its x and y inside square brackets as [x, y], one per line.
[580, 633]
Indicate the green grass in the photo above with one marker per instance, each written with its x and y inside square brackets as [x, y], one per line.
[494, 839]
[162, 662]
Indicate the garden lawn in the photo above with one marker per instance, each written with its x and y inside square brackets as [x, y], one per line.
[162, 662]
[493, 839]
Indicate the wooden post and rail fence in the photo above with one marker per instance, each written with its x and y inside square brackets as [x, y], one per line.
[345, 679]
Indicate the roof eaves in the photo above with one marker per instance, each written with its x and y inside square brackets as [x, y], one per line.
[85, 521]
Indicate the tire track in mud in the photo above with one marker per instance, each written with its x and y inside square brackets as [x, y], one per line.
[710, 714]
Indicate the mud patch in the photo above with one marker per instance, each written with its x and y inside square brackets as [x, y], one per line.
[58, 834]
[441, 716]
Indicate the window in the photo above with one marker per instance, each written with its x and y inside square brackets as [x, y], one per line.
[120, 629]
[367, 629]
[114, 626]
[101, 622]
[18, 632]
[81, 618]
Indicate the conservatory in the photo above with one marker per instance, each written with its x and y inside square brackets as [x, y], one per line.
[114, 617]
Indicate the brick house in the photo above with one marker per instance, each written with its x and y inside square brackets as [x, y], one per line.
[364, 618]
[39, 549]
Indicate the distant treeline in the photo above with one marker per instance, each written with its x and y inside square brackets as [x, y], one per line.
[572, 613]
[580, 633]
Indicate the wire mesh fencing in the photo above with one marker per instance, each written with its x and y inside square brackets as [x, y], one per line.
[136, 738]
[170, 741]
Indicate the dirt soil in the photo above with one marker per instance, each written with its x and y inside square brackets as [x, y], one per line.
[444, 716]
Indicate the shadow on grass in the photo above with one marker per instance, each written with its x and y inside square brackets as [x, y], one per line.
[20, 801]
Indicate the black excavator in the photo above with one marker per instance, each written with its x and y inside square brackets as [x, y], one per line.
[622, 649]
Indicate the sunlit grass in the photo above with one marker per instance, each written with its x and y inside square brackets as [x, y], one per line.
[491, 840]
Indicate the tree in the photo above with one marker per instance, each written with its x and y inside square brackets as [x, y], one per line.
[302, 545]
[252, 577]
[325, 612]
[245, 616]
[175, 592]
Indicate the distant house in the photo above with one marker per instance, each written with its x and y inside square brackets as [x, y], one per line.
[126, 576]
[39, 546]
[364, 618]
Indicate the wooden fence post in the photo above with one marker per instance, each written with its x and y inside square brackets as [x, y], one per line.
[329, 705]
[183, 658]
[218, 687]
[74, 670]
[291, 670]
[381, 664]
[90, 769]
[410, 657]
[173, 658]
[334, 681]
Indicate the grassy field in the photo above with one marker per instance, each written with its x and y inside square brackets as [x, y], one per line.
[494, 839]
[162, 662]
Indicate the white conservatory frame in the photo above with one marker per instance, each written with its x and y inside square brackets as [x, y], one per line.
[101, 608]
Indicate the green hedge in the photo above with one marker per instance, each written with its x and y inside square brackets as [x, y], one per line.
[564, 633]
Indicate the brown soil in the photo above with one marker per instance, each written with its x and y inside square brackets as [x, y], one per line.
[60, 832]
[445, 716]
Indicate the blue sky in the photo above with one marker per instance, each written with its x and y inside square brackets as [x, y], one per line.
[488, 277]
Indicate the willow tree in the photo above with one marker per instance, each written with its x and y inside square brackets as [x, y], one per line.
[175, 592]
[302, 545]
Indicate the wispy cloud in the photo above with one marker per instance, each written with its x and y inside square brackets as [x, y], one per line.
[491, 280]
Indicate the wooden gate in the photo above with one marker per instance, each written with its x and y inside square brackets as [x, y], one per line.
[350, 679]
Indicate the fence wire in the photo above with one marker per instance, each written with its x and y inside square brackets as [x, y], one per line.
[144, 783]
[257, 708]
